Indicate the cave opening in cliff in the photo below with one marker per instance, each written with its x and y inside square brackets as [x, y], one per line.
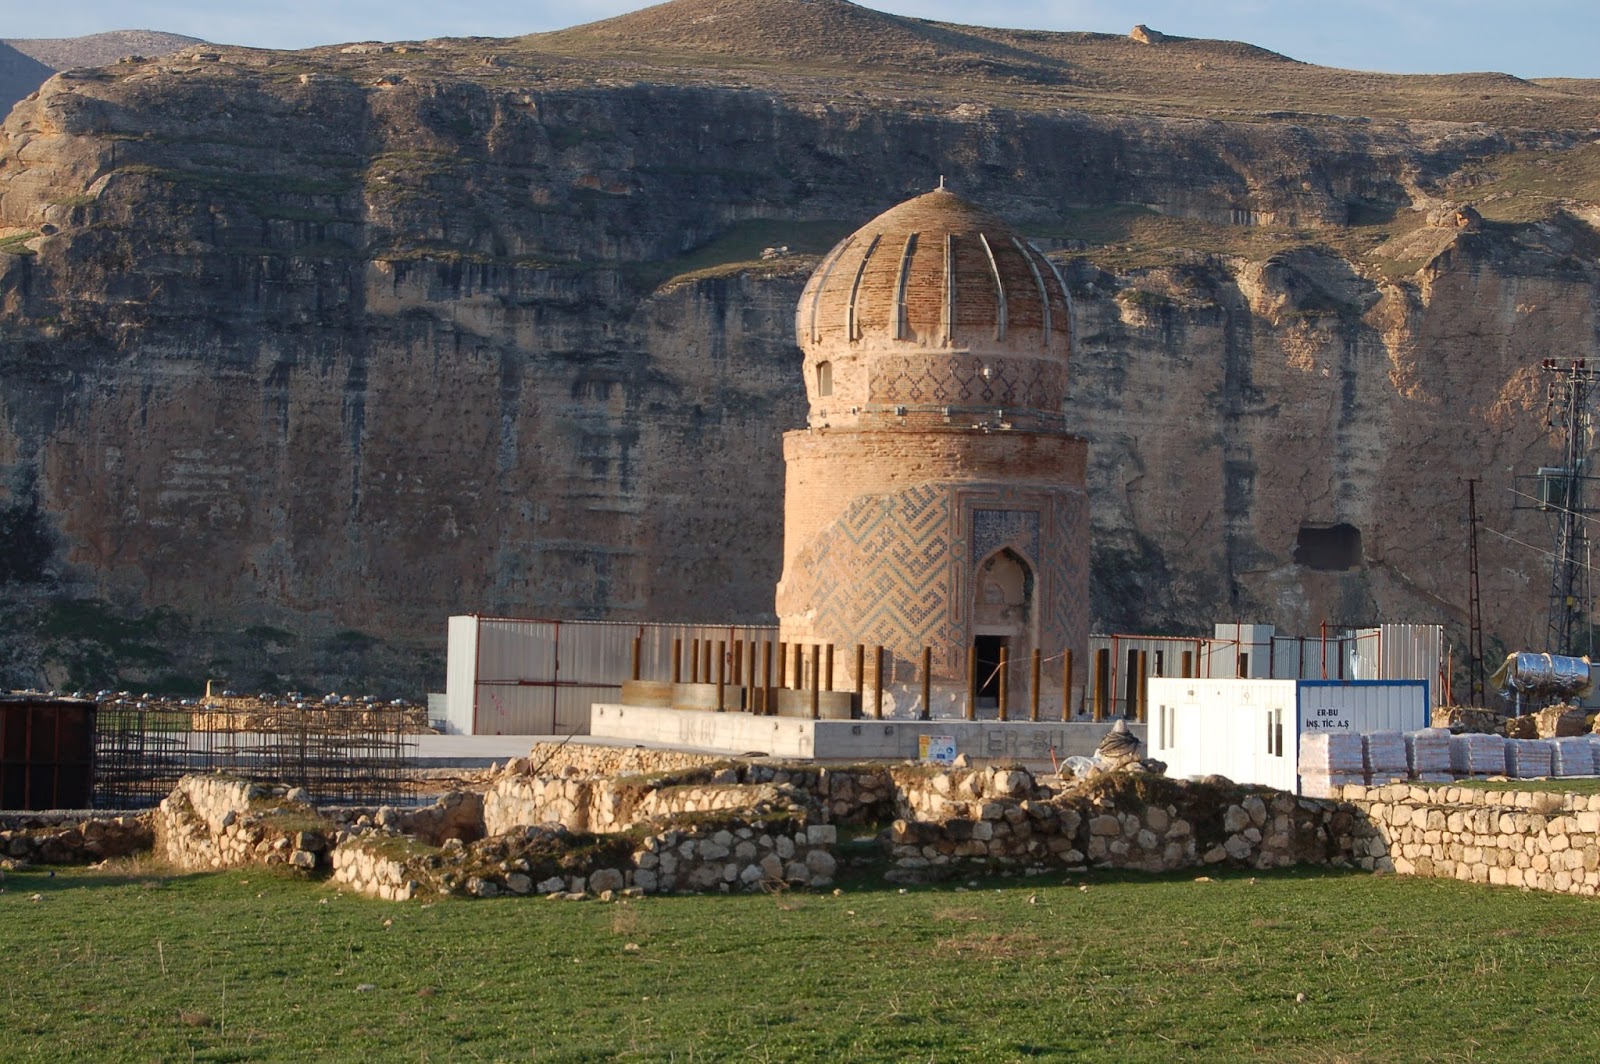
[1329, 548]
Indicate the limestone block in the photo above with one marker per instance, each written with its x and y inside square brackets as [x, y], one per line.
[1234, 819]
[1214, 855]
[1104, 825]
[1237, 847]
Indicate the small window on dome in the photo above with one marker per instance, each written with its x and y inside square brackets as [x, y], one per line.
[824, 378]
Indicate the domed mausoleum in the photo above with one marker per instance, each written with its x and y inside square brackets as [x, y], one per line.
[935, 498]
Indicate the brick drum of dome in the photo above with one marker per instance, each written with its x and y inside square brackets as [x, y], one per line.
[935, 498]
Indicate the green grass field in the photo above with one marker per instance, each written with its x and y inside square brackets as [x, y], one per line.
[249, 966]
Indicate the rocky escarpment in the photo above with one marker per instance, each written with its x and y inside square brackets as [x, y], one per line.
[301, 352]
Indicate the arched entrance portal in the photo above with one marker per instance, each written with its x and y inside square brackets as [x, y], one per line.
[1002, 615]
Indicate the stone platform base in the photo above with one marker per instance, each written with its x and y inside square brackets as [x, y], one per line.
[845, 740]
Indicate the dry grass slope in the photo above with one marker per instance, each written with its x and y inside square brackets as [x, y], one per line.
[798, 39]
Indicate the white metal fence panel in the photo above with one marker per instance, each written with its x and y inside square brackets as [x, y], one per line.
[461, 671]
[515, 709]
[514, 649]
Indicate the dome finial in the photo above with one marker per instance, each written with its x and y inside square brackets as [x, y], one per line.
[941, 182]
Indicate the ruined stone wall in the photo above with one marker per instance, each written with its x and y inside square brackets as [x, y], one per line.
[44, 838]
[590, 759]
[213, 822]
[1534, 839]
[953, 826]
[723, 854]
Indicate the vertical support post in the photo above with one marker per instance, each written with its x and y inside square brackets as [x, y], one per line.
[1066, 684]
[877, 682]
[927, 683]
[1033, 689]
[767, 708]
[677, 659]
[705, 648]
[1130, 690]
[816, 688]
[861, 671]
[722, 674]
[1005, 677]
[783, 664]
[972, 683]
[1144, 686]
[827, 668]
[1188, 664]
[694, 661]
[737, 669]
[1102, 684]
[799, 667]
[750, 674]
[638, 651]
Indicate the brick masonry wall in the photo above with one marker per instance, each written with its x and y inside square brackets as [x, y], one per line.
[884, 533]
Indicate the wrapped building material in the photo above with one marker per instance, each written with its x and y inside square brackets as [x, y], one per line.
[1428, 755]
[1329, 761]
[1383, 755]
[1571, 756]
[1543, 674]
[1478, 755]
[1528, 759]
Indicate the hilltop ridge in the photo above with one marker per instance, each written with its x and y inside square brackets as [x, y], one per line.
[25, 62]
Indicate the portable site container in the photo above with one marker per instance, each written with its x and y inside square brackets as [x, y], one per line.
[1249, 730]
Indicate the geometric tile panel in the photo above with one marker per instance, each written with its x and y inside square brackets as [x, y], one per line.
[880, 573]
[897, 569]
[994, 529]
[958, 379]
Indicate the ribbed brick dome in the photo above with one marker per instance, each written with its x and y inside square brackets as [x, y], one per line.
[935, 301]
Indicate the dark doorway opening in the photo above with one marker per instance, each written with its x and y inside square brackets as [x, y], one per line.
[988, 648]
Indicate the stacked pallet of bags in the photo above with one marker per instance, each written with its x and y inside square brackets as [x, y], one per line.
[1383, 755]
[1478, 755]
[1329, 761]
[1528, 759]
[1571, 756]
[1428, 755]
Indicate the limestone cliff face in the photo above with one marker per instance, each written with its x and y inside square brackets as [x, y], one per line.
[313, 358]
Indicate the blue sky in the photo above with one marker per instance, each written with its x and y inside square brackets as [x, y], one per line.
[1530, 38]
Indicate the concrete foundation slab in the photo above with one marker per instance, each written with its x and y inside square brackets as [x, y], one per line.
[845, 740]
